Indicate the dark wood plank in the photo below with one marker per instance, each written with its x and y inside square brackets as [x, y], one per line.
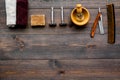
[70, 3]
[67, 3]
[69, 46]
[61, 69]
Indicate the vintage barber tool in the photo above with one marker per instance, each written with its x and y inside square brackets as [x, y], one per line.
[98, 21]
[95, 25]
[62, 18]
[80, 16]
[52, 24]
[22, 13]
[37, 20]
[111, 22]
[10, 13]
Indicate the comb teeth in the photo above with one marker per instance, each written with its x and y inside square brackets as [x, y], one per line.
[111, 23]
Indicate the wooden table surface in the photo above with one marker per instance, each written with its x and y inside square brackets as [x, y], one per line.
[60, 53]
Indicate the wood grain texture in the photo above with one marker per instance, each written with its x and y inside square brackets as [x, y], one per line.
[75, 46]
[61, 69]
[70, 3]
[60, 53]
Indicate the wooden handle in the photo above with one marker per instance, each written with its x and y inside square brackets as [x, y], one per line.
[95, 25]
